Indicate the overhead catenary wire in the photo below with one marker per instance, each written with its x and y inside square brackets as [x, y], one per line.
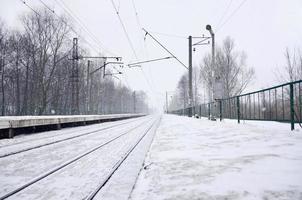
[47, 6]
[71, 28]
[147, 33]
[24, 2]
[224, 13]
[150, 83]
[136, 13]
[129, 40]
[231, 15]
[139, 27]
[73, 14]
[169, 35]
[82, 25]
[124, 29]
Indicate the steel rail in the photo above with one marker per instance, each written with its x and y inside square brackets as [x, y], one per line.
[68, 132]
[74, 159]
[59, 141]
[120, 162]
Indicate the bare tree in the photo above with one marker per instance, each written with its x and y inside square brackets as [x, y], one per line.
[182, 90]
[292, 70]
[48, 35]
[230, 66]
[3, 63]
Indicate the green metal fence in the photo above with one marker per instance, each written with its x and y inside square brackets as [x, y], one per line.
[280, 103]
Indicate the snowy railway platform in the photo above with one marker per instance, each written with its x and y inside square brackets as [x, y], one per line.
[198, 159]
[10, 124]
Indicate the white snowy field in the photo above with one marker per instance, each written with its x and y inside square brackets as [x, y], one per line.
[201, 159]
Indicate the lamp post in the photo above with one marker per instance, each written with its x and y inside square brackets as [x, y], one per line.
[211, 92]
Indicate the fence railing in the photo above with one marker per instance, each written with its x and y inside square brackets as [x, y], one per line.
[280, 103]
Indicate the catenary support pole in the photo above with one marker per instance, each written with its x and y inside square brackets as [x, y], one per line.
[75, 78]
[190, 78]
[88, 88]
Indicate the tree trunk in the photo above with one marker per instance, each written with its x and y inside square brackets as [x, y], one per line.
[3, 90]
[25, 98]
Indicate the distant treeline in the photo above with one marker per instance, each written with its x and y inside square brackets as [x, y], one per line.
[35, 72]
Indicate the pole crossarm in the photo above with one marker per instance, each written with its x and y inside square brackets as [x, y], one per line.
[147, 61]
[101, 57]
[202, 41]
[147, 33]
[116, 77]
[113, 74]
[131, 66]
[103, 66]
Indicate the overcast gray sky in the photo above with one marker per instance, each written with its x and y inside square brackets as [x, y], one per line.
[262, 28]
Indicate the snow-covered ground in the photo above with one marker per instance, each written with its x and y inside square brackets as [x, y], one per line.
[202, 159]
[188, 159]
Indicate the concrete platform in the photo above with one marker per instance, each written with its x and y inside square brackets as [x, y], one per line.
[8, 124]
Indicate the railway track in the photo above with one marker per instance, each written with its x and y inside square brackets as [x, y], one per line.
[61, 140]
[103, 182]
[47, 174]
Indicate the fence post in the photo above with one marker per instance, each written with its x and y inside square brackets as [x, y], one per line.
[209, 110]
[200, 111]
[220, 109]
[292, 111]
[238, 109]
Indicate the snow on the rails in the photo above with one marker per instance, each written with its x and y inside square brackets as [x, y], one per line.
[22, 142]
[79, 179]
[201, 159]
[19, 169]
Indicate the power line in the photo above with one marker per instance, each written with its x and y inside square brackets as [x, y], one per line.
[47, 7]
[23, 1]
[144, 44]
[73, 15]
[233, 13]
[224, 13]
[147, 33]
[169, 35]
[136, 14]
[128, 38]
[71, 28]
[76, 19]
[124, 28]
[81, 23]
[139, 26]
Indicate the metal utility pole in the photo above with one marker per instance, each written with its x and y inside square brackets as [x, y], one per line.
[75, 79]
[167, 106]
[189, 67]
[88, 100]
[190, 77]
[134, 102]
